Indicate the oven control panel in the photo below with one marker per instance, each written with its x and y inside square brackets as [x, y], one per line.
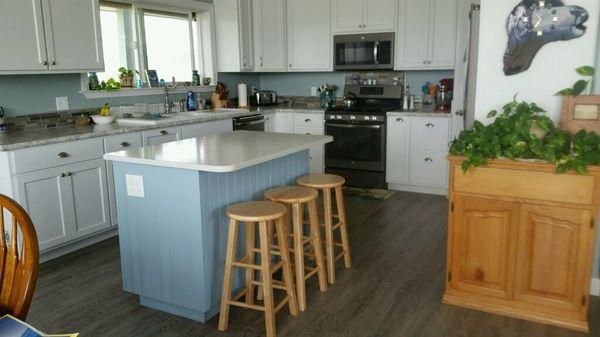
[356, 118]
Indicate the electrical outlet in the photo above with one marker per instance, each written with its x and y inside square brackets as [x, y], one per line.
[135, 186]
[313, 91]
[62, 103]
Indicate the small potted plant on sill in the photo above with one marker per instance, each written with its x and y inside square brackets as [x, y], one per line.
[126, 77]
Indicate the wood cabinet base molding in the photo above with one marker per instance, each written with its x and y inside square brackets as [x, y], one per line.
[521, 241]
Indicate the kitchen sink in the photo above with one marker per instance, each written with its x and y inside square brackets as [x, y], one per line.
[174, 117]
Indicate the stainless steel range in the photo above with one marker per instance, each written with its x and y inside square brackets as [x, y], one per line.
[359, 134]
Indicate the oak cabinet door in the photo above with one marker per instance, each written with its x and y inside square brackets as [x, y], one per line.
[484, 246]
[552, 257]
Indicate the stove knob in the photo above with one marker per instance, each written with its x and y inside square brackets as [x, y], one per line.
[374, 118]
[352, 117]
[339, 117]
[367, 118]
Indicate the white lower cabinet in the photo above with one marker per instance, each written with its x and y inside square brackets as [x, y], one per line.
[416, 153]
[207, 128]
[160, 136]
[66, 202]
[270, 120]
[284, 122]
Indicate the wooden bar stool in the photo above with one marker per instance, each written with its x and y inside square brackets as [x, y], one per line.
[325, 183]
[297, 197]
[263, 213]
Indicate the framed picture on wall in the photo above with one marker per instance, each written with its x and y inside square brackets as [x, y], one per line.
[152, 78]
[580, 112]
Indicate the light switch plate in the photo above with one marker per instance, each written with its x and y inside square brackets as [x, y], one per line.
[62, 103]
[313, 91]
[135, 185]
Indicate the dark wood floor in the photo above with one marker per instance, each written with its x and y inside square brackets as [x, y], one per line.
[394, 289]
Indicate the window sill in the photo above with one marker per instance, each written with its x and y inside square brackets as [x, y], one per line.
[131, 92]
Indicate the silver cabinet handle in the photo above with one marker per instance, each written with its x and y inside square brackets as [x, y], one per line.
[429, 125]
[460, 113]
[45, 63]
[261, 61]
[65, 174]
[310, 157]
[124, 144]
[307, 120]
[424, 62]
[400, 119]
[290, 65]
[62, 155]
[164, 132]
[53, 63]
[428, 160]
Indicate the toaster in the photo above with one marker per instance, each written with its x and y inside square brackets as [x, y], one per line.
[263, 97]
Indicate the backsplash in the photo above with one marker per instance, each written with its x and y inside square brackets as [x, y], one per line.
[47, 120]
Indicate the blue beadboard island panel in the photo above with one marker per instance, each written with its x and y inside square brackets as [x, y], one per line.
[173, 241]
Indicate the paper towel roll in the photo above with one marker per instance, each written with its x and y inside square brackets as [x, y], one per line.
[242, 95]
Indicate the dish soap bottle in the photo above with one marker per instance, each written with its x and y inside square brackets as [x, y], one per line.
[105, 111]
[191, 101]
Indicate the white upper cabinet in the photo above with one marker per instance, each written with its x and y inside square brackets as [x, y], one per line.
[309, 35]
[357, 16]
[269, 35]
[234, 35]
[426, 34]
[22, 36]
[73, 34]
[39, 36]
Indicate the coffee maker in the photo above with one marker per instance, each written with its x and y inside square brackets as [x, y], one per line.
[443, 96]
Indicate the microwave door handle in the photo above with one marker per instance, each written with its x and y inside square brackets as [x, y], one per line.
[376, 52]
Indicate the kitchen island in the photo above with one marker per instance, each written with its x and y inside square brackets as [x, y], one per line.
[171, 201]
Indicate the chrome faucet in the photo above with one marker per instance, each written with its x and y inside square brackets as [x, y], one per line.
[168, 88]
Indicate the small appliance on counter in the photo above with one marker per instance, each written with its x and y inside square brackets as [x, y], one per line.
[263, 97]
[443, 95]
[219, 97]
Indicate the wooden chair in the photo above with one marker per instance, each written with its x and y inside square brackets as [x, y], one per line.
[298, 197]
[326, 183]
[19, 259]
[262, 213]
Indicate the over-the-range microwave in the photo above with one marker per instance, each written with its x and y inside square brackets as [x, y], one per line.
[363, 51]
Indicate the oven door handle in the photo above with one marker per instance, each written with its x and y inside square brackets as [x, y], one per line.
[249, 123]
[353, 126]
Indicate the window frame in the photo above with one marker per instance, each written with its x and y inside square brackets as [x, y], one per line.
[204, 41]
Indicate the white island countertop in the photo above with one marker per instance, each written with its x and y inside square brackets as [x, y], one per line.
[224, 152]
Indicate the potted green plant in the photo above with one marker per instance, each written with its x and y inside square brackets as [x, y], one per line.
[126, 77]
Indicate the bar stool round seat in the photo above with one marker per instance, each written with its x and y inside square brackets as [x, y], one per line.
[256, 211]
[321, 181]
[291, 194]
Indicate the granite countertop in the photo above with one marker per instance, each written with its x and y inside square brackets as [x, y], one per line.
[21, 139]
[419, 114]
[223, 152]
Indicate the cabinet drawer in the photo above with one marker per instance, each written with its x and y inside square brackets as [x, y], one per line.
[308, 131]
[42, 157]
[430, 133]
[122, 142]
[160, 136]
[308, 120]
[428, 168]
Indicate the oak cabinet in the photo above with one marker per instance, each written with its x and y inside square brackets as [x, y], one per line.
[521, 241]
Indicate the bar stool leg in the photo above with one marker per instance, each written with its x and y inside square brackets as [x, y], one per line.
[339, 197]
[265, 262]
[316, 243]
[282, 240]
[329, 236]
[299, 256]
[227, 278]
[250, 244]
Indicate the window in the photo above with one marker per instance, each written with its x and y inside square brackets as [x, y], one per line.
[117, 39]
[166, 40]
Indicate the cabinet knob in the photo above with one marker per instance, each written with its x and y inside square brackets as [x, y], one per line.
[429, 125]
[307, 120]
[290, 65]
[310, 157]
[62, 155]
[479, 274]
[124, 144]
[424, 62]
[428, 160]
[400, 119]
[53, 63]
[45, 63]
[65, 174]
[164, 132]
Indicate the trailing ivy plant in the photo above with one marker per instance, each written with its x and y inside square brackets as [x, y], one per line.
[523, 131]
[580, 85]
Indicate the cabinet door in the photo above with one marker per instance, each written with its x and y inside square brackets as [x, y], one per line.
[89, 194]
[379, 15]
[552, 260]
[271, 122]
[442, 40]
[161, 136]
[269, 35]
[316, 159]
[412, 47]
[246, 34]
[397, 149]
[207, 128]
[22, 36]
[347, 15]
[309, 35]
[45, 198]
[73, 34]
[284, 123]
[484, 235]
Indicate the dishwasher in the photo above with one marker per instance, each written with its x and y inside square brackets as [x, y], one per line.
[249, 123]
